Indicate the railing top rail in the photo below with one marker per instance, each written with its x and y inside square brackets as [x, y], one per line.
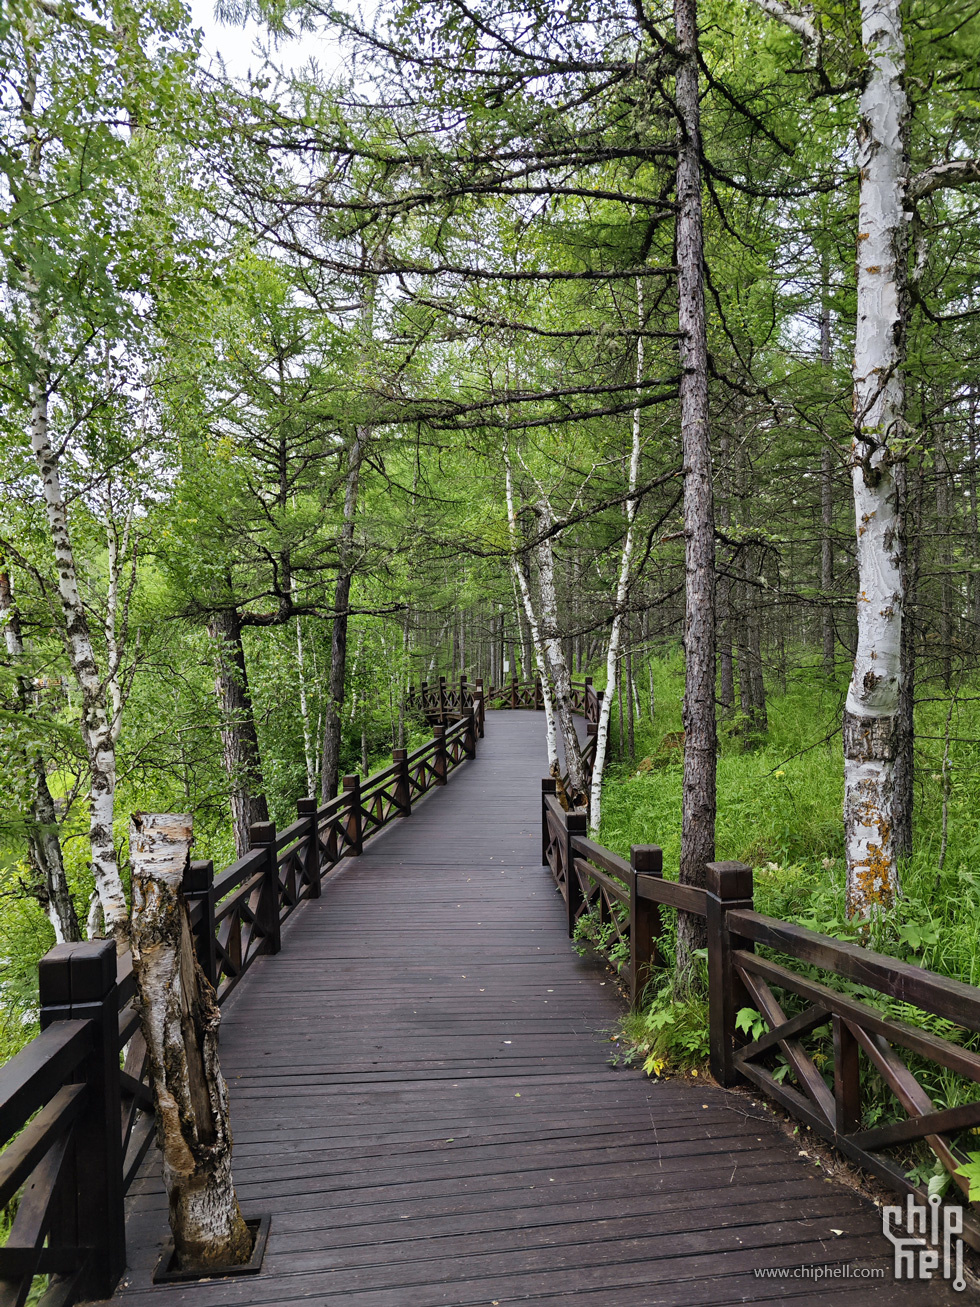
[34, 1075]
[239, 871]
[953, 1000]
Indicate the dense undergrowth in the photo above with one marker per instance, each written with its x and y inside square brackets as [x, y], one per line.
[780, 797]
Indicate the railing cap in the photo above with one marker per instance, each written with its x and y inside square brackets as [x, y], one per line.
[647, 858]
[82, 972]
[729, 880]
[549, 785]
[306, 807]
[352, 782]
[198, 876]
[260, 833]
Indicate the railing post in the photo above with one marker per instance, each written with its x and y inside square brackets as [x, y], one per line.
[423, 697]
[463, 691]
[574, 825]
[469, 735]
[847, 1080]
[262, 834]
[645, 925]
[403, 785]
[548, 786]
[538, 695]
[77, 983]
[440, 762]
[442, 699]
[729, 886]
[480, 706]
[513, 691]
[198, 890]
[307, 808]
[353, 826]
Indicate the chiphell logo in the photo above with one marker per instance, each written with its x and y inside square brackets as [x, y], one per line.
[911, 1230]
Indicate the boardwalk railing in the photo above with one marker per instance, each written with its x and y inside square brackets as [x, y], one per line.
[443, 701]
[75, 1124]
[625, 899]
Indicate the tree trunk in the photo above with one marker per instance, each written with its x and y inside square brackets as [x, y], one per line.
[333, 709]
[698, 819]
[555, 656]
[871, 715]
[43, 843]
[180, 1018]
[826, 489]
[622, 594]
[520, 578]
[238, 736]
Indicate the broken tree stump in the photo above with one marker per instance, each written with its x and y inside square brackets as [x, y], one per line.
[180, 1023]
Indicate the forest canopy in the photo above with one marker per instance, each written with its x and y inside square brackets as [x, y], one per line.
[637, 341]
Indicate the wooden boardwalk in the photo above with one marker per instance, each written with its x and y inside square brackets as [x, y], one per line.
[422, 1099]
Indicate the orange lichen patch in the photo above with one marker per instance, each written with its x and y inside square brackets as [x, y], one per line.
[874, 267]
[863, 235]
[871, 880]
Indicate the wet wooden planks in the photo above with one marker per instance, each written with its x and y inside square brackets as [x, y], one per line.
[422, 1099]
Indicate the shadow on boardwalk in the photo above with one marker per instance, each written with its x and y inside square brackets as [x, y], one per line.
[422, 1100]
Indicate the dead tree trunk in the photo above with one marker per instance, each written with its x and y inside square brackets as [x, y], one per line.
[238, 736]
[180, 1025]
[330, 774]
[700, 760]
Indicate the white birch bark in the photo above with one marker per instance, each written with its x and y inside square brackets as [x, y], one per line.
[180, 1018]
[622, 592]
[871, 715]
[555, 655]
[96, 725]
[532, 620]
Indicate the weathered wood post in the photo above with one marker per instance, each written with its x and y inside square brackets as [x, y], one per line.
[440, 763]
[463, 692]
[575, 824]
[480, 706]
[403, 783]
[262, 835]
[198, 891]
[78, 983]
[180, 1017]
[646, 860]
[548, 786]
[353, 825]
[513, 691]
[442, 699]
[847, 1079]
[538, 695]
[469, 734]
[729, 886]
[307, 808]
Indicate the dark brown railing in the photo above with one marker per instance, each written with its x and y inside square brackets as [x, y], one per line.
[627, 897]
[74, 1125]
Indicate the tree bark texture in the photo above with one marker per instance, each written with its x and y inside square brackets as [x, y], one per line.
[180, 1025]
[698, 819]
[871, 715]
[555, 655]
[334, 706]
[44, 846]
[238, 735]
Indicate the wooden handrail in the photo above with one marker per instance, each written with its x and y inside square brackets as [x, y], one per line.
[627, 897]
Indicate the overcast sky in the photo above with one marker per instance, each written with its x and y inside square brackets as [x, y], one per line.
[237, 46]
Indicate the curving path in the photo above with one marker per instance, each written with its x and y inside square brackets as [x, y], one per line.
[422, 1099]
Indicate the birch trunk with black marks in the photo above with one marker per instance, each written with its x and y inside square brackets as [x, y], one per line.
[44, 846]
[700, 740]
[520, 580]
[96, 725]
[180, 1015]
[871, 714]
[554, 653]
[826, 488]
[239, 740]
[334, 706]
[621, 597]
